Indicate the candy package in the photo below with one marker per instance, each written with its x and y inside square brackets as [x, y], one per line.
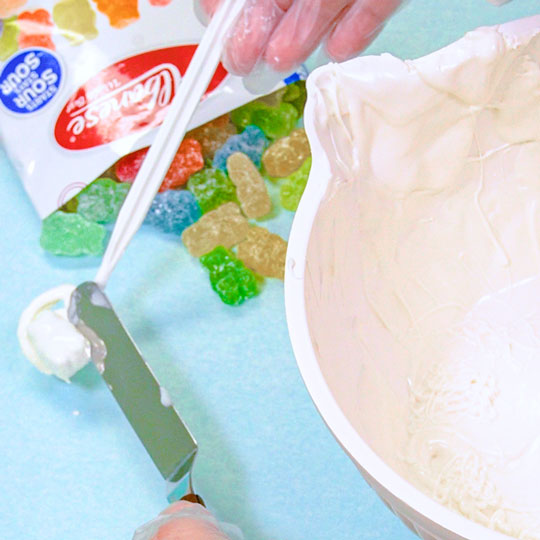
[84, 86]
[84, 83]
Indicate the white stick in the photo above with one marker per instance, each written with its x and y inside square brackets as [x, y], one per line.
[170, 135]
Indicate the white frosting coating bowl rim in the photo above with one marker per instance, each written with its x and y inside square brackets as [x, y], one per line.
[422, 514]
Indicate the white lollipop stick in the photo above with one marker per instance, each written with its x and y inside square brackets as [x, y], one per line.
[172, 131]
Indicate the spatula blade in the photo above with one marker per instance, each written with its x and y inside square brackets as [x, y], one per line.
[144, 402]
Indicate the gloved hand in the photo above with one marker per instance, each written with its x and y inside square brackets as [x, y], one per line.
[186, 521]
[283, 33]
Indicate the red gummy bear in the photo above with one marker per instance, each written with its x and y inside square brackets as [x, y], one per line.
[126, 168]
[188, 160]
[35, 29]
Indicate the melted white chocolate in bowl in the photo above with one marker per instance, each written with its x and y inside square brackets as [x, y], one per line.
[422, 280]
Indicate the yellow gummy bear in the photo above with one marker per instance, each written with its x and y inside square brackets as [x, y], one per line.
[8, 38]
[76, 20]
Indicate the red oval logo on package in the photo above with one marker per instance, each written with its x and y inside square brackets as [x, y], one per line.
[129, 96]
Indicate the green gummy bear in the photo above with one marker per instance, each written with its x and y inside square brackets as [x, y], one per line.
[242, 117]
[71, 234]
[232, 281]
[275, 122]
[8, 38]
[211, 188]
[293, 187]
[101, 200]
[296, 95]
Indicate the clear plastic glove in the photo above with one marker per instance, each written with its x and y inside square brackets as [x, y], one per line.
[283, 33]
[187, 521]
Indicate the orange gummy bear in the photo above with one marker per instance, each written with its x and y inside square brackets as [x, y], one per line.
[119, 12]
[35, 29]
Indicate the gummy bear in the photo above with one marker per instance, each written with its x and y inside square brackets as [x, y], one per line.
[263, 252]
[188, 160]
[120, 13]
[174, 210]
[211, 188]
[233, 282]
[126, 168]
[101, 200]
[35, 29]
[224, 226]
[251, 142]
[71, 234]
[291, 190]
[213, 135]
[250, 187]
[8, 38]
[275, 98]
[160, 2]
[286, 155]
[296, 95]
[76, 20]
[9, 7]
[275, 122]
[243, 116]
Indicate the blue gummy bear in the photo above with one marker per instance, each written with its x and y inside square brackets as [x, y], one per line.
[252, 142]
[173, 210]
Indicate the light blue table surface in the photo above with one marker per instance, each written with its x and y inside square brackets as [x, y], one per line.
[72, 469]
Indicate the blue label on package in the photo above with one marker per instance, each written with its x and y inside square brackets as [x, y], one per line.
[30, 80]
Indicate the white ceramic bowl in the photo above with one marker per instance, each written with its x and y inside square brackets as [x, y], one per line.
[425, 517]
[331, 379]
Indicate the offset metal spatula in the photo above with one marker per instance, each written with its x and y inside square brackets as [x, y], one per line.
[144, 402]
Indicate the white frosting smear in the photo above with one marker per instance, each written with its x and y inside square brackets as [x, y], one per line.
[165, 397]
[48, 339]
[425, 260]
[474, 424]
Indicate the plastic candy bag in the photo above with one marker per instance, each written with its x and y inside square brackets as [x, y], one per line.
[85, 82]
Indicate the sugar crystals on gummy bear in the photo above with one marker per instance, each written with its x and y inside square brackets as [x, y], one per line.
[250, 186]
[72, 235]
[292, 188]
[275, 121]
[101, 200]
[233, 282]
[188, 160]
[173, 211]
[263, 252]
[213, 135]
[211, 187]
[286, 155]
[252, 142]
[223, 226]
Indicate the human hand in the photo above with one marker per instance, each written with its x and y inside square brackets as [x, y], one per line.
[283, 33]
[186, 521]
